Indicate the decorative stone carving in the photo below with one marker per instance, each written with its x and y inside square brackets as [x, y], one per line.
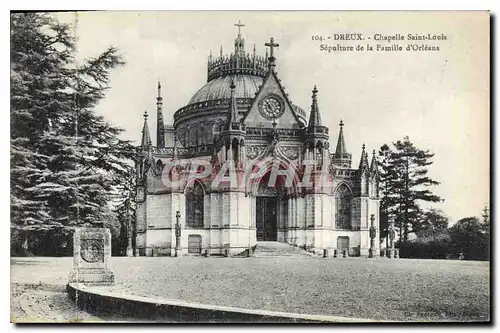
[255, 151]
[92, 250]
[291, 153]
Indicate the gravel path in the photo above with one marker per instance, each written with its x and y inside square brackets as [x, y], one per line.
[407, 290]
[38, 293]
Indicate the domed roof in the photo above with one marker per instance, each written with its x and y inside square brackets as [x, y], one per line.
[246, 87]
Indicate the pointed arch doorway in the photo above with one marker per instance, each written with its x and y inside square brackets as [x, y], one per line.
[266, 218]
[268, 197]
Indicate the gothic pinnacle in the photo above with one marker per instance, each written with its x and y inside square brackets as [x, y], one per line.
[374, 164]
[314, 117]
[363, 162]
[146, 138]
[159, 89]
[341, 149]
[233, 112]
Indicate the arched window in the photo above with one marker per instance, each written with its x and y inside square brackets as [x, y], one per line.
[159, 167]
[236, 150]
[319, 152]
[343, 199]
[194, 205]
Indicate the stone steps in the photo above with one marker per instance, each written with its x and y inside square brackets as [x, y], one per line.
[278, 249]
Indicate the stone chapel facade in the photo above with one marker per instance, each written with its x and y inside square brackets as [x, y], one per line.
[242, 115]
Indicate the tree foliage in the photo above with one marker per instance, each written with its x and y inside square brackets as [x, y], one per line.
[471, 237]
[404, 184]
[431, 222]
[67, 162]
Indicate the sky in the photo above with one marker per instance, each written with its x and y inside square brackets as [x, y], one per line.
[440, 99]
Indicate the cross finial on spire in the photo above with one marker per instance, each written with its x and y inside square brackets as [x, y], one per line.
[315, 90]
[159, 89]
[239, 25]
[272, 45]
[363, 146]
[341, 123]
[145, 115]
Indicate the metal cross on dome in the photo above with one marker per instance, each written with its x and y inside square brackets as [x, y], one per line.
[239, 25]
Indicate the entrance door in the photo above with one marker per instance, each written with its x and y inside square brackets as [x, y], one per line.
[194, 244]
[266, 221]
[343, 243]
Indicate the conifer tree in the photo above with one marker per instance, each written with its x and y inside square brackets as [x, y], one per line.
[66, 161]
[404, 184]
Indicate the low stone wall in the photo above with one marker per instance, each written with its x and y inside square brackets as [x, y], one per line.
[96, 301]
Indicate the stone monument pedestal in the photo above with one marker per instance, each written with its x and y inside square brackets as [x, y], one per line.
[91, 253]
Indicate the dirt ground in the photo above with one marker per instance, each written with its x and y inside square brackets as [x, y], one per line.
[401, 290]
[38, 293]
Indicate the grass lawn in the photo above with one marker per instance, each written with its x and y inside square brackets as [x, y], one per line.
[403, 290]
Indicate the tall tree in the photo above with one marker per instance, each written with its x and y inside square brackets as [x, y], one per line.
[389, 195]
[66, 161]
[486, 219]
[124, 204]
[404, 184]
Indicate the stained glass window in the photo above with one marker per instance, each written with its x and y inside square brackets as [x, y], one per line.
[343, 199]
[194, 206]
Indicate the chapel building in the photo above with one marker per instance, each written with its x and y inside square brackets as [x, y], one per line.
[243, 122]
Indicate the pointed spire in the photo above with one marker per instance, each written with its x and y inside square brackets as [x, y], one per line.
[146, 138]
[363, 162]
[341, 158]
[221, 51]
[233, 112]
[160, 126]
[374, 163]
[159, 91]
[314, 117]
[341, 149]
